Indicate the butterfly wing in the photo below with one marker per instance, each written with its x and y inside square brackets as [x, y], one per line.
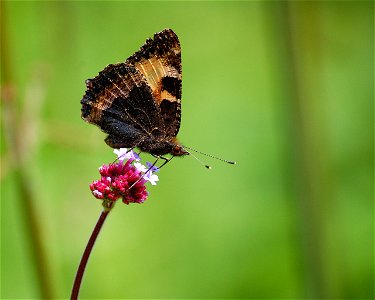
[121, 103]
[159, 61]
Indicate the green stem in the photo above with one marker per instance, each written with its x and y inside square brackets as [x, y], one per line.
[86, 254]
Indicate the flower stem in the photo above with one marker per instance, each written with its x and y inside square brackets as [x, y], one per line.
[86, 254]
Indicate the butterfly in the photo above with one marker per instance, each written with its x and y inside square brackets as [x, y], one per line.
[138, 102]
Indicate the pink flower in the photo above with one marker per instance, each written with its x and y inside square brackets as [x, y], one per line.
[124, 179]
[120, 180]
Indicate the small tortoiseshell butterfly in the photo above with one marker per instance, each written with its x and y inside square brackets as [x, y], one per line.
[138, 102]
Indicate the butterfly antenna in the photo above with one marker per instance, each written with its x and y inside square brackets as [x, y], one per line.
[215, 157]
[201, 162]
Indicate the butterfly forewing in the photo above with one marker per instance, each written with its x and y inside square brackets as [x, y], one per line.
[159, 61]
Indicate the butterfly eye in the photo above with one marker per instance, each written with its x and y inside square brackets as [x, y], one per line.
[88, 84]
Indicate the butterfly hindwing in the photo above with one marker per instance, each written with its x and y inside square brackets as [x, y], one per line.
[121, 103]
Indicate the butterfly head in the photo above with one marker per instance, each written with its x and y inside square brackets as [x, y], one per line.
[178, 150]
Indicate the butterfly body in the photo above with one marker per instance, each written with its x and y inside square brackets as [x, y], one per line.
[138, 102]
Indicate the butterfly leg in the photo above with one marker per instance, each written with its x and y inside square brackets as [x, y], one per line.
[166, 160]
[157, 158]
[148, 170]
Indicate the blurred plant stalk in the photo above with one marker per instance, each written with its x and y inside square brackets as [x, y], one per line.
[20, 128]
[300, 37]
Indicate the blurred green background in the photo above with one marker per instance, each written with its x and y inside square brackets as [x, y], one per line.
[283, 88]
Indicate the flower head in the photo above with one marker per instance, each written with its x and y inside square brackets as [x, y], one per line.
[124, 180]
[120, 180]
